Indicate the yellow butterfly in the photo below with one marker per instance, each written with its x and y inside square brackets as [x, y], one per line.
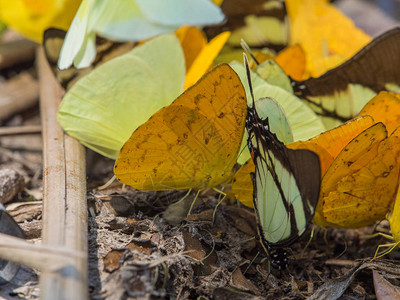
[359, 187]
[327, 36]
[199, 55]
[393, 217]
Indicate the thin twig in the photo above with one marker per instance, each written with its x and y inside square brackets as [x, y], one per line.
[43, 258]
[341, 262]
[19, 130]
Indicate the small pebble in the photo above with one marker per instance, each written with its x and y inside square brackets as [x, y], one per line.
[11, 183]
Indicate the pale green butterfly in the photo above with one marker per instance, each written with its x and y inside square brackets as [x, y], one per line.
[103, 108]
[272, 73]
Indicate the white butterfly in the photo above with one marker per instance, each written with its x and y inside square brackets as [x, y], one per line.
[130, 20]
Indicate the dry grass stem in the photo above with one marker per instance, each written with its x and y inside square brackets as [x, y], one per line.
[64, 195]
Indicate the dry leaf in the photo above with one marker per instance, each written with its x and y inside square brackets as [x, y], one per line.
[384, 290]
[141, 245]
[112, 260]
[193, 247]
[242, 283]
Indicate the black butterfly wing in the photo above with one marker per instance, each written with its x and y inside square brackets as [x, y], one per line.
[375, 67]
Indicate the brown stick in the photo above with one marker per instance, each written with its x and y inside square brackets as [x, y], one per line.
[19, 130]
[15, 52]
[17, 94]
[64, 194]
[341, 262]
[41, 257]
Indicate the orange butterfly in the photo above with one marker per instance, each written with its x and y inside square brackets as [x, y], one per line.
[192, 143]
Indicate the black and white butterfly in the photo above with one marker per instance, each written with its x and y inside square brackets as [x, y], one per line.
[286, 184]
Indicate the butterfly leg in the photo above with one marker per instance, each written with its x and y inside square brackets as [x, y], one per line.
[183, 199]
[193, 202]
[391, 247]
[186, 195]
[325, 235]
[389, 237]
[212, 249]
[221, 193]
[309, 240]
[108, 183]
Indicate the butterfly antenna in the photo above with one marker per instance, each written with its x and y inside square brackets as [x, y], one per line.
[246, 48]
[248, 75]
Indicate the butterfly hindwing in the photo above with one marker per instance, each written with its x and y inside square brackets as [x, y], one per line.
[359, 187]
[192, 143]
[302, 161]
[262, 23]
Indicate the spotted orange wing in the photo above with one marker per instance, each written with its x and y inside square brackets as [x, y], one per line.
[329, 143]
[385, 108]
[192, 143]
[360, 186]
